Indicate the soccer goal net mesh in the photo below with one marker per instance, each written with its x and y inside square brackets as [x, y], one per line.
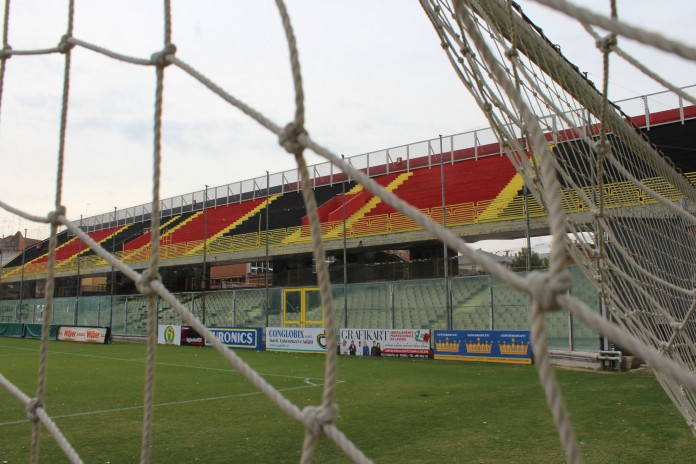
[614, 204]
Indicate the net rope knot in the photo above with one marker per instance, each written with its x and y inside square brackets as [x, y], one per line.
[288, 138]
[54, 216]
[143, 283]
[64, 46]
[606, 44]
[159, 59]
[544, 287]
[596, 212]
[315, 418]
[31, 408]
[6, 52]
[602, 147]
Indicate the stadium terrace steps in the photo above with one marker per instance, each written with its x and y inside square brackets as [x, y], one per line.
[34, 252]
[66, 251]
[503, 199]
[220, 228]
[165, 227]
[358, 206]
[189, 234]
[184, 237]
[332, 210]
[467, 305]
[471, 181]
[74, 246]
[102, 236]
[138, 250]
[116, 241]
[367, 202]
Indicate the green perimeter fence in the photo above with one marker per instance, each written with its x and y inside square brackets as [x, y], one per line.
[477, 303]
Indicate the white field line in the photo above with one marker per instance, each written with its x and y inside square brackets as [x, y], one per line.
[14, 355]
[188, 366]
[160, 405]
[309, 382]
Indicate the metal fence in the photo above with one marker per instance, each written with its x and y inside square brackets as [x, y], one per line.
[474, 302]
[379, 162]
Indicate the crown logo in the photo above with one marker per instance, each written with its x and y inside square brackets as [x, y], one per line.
[447, 346]
[478, 347]
[513, 348]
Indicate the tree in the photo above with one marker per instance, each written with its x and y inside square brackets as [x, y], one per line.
[519, 261]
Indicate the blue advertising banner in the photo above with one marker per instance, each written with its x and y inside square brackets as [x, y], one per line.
[238, 337]
[500, 346]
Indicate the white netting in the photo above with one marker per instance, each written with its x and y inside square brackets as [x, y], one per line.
[582, 154]
[627, 210]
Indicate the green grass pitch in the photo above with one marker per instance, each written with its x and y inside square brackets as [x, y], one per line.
[395, 410]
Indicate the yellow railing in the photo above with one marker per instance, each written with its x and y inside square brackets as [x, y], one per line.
[616, 195]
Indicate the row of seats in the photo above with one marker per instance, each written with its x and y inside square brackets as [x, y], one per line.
[467, 182]
[471, 180]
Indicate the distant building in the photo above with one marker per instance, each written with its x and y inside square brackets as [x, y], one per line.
[468, 267]
[12, 245]
[242, 275]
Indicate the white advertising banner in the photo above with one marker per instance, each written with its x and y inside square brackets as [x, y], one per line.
[309, 340]
[385, 342]
[82, 334]
[168, 334]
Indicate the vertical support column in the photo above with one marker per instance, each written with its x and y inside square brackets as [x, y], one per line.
[391, 305]
[78, 291]
[267, 266]
[234, 309]
[445, 251]
[113, 272]
[21, 283]
[525, 194]
[345, 255]
[491, 314]
[125, 316]
[205, 252]
[571, 335]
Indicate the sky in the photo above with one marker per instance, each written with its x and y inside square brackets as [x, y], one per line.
[374, 74]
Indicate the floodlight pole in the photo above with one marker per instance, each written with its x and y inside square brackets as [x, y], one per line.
[79, 280]
[2, 250]
[21, 283]
[526, 215]
[113, 273]
[448, 311]
[205, 250]
[265, 271]
[345, 262]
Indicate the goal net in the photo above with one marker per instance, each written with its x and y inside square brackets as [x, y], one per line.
[613, 202]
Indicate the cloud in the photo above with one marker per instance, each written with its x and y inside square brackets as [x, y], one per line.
[374, 75]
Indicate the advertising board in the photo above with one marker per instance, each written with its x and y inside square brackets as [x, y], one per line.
[308, 340]
[500, 346]
[190, 337]
[385, 342]
[169, 334]
[248, 338]
[79, 334]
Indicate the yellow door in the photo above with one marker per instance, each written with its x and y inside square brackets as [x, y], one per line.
[302, 308]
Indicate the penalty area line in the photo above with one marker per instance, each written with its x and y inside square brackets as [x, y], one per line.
[231, 368]
[308, 384]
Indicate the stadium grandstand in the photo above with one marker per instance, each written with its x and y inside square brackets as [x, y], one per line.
[231, 252]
